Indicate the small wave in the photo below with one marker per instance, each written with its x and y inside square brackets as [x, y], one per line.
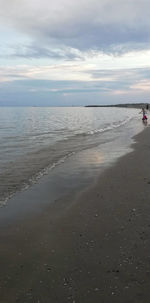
[46, 170]
[34, 179]
[95, 131]
[110, 127]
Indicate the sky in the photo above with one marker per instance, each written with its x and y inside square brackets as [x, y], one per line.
[74, 52]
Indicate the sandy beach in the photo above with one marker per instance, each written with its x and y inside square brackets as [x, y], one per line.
[90, 247]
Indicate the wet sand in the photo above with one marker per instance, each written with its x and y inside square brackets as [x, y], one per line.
[87, 248]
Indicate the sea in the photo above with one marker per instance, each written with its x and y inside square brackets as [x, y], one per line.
[36, 140]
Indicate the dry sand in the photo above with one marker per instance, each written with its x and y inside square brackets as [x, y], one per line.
[95, 249]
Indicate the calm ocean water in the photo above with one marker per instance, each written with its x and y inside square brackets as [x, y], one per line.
[34, 140]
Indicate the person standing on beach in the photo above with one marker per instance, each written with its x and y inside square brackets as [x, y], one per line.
[144, 114]
[147, 106]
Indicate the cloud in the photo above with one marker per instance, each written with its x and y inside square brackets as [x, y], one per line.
[82, 66]
[81, 24]
[111, 82]
[143, 85]
[37, 52]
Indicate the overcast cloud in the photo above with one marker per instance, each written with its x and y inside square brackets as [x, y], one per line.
[67, 40]
[80, 24]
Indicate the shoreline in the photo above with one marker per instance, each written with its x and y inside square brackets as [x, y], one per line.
[78, 172]
[25, 163]
[95, 250]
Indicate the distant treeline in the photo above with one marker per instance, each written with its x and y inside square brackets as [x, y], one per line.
[127, 105]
